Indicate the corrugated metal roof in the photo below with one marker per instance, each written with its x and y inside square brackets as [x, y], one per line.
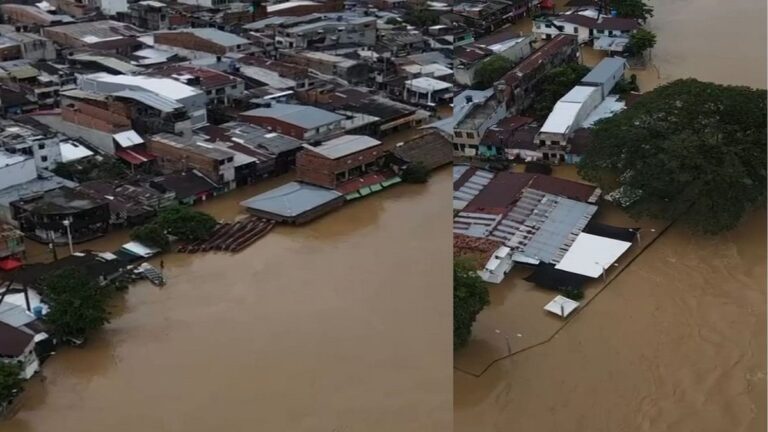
[344, 145]
[605, 70]
[305, 116]
[291, 199]
[154, 100]
[216, 36]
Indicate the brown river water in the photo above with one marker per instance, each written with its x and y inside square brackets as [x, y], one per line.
[340, 325]
[677, 342]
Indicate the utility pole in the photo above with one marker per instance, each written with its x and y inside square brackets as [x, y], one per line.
[52, 245]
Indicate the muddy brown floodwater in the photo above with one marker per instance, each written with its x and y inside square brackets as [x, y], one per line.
[339, 325]
[677, 342]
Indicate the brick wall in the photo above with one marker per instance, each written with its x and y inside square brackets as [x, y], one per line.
[112, 117]
[275, 125]
[311, 167]
[190, 42]
[178, 158]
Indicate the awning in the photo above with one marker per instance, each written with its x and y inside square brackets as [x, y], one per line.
[128, 138]
[10, 263]
[134, 156]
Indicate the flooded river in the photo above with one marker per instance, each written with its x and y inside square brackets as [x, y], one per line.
[677, 342]
[340, 325]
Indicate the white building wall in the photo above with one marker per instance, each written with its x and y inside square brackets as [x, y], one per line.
[112, 7]
[17, 173]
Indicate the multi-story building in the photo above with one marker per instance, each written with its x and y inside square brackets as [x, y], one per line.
[351, 71]
[58, 214]
[175, 153]
[22, 45]
[221, 88]
[31, 15]
[107, 35]
[165, 92]
[520, 81]
[37, 142]
[302, 122]
[148, 14]
[340, 160]
[325, 30]
[205, 40]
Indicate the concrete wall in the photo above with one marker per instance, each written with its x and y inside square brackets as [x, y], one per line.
[101, 140]
[17, 173]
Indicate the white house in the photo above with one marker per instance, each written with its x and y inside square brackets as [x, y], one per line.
[567, 115]
[588, 25]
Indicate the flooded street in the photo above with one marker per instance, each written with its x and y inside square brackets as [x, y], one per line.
[677, 342]
[339, 325]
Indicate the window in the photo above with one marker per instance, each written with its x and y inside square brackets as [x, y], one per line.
[555, 142]
[470, 135]
[538, 26]
[41, 146]
[233, 86]
[575, 30]
[542, 142]
[458, 134]
[44, 158]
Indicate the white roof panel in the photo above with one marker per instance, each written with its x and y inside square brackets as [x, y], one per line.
[561, 306]
[128, 138]
[562, 118]
[590, 255]
[579, 94]
[72, 151]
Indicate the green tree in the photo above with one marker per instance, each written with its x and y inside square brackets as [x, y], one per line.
[555, 84]
[490, 71]
[10, 382]
[151, 235]
[77, 304]
[415, 172]
[689, 149]
[186, 223]
[470, 296]
[92, 169]
[640, 41]
[636, 9]
[421, 17]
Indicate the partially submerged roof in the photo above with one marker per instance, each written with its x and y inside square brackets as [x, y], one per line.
[431, 149]
[305, 116]
[344, 145]
[292, 199]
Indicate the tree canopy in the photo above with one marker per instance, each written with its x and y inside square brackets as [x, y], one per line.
[92, 169]
[151, 235]
[637, 9]
[77, 304]
[689, 149]
[640, 41]
[10, 382]
[490, 71]
[555, 84]
[185, 223]
[470, 296]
